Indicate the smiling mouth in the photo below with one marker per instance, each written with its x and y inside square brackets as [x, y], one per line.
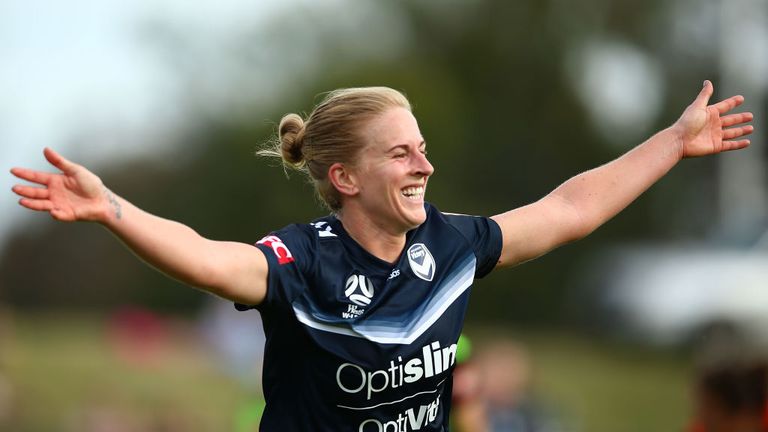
[413, 193]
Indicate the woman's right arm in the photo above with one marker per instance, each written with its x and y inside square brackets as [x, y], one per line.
[235, 271]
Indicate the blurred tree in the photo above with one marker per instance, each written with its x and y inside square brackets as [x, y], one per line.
[488, 82]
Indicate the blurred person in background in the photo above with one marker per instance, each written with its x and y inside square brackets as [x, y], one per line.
[363, 308]
[493, 392]
[238, 341]
[730, 392]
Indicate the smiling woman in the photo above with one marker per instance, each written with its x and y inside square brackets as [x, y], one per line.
[363, 308]
[332, 134]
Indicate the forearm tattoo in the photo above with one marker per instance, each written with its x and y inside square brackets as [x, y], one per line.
[114, 202]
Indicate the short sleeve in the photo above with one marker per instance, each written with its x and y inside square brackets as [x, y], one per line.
[484, 234]
[289, 257]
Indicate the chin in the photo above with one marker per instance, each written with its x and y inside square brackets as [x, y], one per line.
[416, 219]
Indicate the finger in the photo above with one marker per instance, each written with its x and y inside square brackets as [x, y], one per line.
[733, 119]
[737, 132]
[735, 145]
[32, 175]
[31, 192]
[59, 161]
[38, 205]
[706, 92]
[728, 104]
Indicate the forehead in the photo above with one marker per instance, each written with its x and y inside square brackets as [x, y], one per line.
[394, 127]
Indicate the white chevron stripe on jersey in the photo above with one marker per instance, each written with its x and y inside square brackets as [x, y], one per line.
[398, 330]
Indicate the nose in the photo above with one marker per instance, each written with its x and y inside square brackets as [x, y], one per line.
[422, 166]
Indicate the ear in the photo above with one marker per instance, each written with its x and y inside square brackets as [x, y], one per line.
[343, 179]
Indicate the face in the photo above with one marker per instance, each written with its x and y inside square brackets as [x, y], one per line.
[392, 171]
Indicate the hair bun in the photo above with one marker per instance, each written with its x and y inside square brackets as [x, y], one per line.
[291, 132]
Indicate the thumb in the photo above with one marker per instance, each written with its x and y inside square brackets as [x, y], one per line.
[706, 92]
[59, 161]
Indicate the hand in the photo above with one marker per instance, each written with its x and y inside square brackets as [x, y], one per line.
[75, 194]
[702, 128]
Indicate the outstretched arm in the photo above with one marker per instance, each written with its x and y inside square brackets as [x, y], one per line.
[236, 271]
[586, 201]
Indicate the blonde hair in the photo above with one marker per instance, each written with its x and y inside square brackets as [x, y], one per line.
[330, 134]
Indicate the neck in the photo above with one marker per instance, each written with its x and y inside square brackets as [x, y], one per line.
[379, 242]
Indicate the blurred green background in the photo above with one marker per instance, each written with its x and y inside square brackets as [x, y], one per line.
[513, 97]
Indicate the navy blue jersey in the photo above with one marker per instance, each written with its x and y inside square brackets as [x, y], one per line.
[355, 343]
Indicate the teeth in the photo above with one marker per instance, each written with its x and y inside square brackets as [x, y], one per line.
[413, 191]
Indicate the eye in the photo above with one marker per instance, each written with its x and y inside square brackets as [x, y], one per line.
[400, 155]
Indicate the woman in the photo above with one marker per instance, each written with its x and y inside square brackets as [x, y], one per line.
[731, 395]
[362, 309]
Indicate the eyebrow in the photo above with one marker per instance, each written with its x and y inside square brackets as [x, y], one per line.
[399, 146]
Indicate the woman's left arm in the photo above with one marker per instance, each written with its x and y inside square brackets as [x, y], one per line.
[586, 201]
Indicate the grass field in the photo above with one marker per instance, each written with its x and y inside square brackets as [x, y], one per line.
[64, 373]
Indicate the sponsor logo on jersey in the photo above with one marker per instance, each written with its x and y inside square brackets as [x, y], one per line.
[433, 360]
[284, 255]
[395, 273]
[359, 290]
[323, 229]
[353, 311]
[421, 261]
[412, 419]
